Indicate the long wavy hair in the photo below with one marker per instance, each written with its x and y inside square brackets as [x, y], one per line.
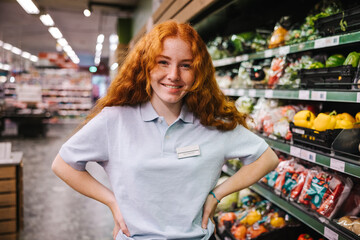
[132, 86]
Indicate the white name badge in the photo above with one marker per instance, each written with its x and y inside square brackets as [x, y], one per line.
[188, 151]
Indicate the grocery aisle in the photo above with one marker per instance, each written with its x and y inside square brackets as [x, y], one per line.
[52, 210]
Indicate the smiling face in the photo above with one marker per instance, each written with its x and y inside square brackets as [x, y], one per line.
[172, 75]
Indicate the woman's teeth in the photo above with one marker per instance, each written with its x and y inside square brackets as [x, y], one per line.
[171, 86]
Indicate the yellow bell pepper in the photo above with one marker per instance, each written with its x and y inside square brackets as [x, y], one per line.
[324, 121]
[304, 118]
[345, 116]
[357, 117]
[344, 124]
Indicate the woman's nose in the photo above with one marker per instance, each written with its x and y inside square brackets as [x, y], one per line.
[174, 73]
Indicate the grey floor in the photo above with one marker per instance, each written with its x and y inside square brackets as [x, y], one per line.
[52, 210]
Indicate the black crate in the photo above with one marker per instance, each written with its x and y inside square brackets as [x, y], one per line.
[347, 143]
[311, 138]
[328, 78]
[328, 26]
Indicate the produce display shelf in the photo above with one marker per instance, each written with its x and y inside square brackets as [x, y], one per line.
[326, 227]
[312, 95]
[347, 166]
[294, 48]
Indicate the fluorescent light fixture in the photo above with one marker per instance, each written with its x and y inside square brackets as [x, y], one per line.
[26, 55]
[7, 46]
[29, 6]
[47, 20]
[16, 50]
[114, 66]
[1, 43]
[34, 58]
[67, 48]
[98, 47]
[87, 13]
[100, 38]
[55, 32]
[62, 42]
[114, 39]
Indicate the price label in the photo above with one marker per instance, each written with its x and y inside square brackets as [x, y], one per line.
[326, 42]
[358, 97]
[232, 92]
[304, 94]
[318, 95]
[269, 93]
[252, 93]
[242, 58]
[295, 151]
[284, 50]
[337, 165]
[240, 92]
[268, 53]
[307, 155]
[225, 91]
[330, 234]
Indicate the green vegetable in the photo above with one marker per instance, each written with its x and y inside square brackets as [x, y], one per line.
[316, 65]
[335, 60]
[352, 59]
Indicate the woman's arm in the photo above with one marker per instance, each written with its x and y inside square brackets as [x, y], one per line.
[245, 177]
[87, 185]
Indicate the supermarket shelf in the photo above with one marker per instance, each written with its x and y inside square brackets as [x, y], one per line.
[305, 46]
[326, 227]
[312, 95]
[347, 166]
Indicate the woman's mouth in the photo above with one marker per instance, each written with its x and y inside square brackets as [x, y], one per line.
[172, 86]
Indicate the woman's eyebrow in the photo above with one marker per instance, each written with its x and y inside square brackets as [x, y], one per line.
[169, 58]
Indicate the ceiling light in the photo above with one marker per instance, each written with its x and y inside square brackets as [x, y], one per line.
[62, 42]
[114, 66]
[26, 55]
[67, 48]
[34, 58]
[47, 20]
[100, 38]
[16, 50]
[28, 6]
[55, 32]
[1, 43]
[98, 47]
[7, 46]
[87, 13]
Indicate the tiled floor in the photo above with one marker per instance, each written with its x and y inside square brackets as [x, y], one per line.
[52, 210]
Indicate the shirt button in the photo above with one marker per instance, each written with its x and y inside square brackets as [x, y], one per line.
[160, 120]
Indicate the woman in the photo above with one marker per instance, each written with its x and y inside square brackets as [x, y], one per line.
[162, 134]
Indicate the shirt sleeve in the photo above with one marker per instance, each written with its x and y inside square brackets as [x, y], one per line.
[245, 145]
[90, 143]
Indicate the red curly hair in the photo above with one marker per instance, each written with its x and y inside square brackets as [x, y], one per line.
[131, 86]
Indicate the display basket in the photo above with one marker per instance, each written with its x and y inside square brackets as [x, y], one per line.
[312, 138]
[347, 143]
[343, 22]
[328, 78]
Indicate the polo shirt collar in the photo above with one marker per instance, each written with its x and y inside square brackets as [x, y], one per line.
[148, 113]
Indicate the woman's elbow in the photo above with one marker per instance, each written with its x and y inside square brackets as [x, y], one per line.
[56, 165]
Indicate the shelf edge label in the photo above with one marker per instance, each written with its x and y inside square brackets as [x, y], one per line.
[307, 155]
[330, 234]
[269, 93]
[304, 94]
[358, 97]
[295, 151]
[318, 95]
[337, 165]
[252, 92]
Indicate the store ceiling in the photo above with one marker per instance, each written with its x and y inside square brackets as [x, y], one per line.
[29, 34]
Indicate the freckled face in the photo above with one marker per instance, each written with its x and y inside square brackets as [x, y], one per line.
[173, 73]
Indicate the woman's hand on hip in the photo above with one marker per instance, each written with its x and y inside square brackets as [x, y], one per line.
[208, 210]
[119, 222]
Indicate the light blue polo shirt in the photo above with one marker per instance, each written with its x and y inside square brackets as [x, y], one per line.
[160, 195]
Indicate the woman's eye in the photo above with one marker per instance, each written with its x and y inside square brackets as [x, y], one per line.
[185, 65]
[163, 62]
